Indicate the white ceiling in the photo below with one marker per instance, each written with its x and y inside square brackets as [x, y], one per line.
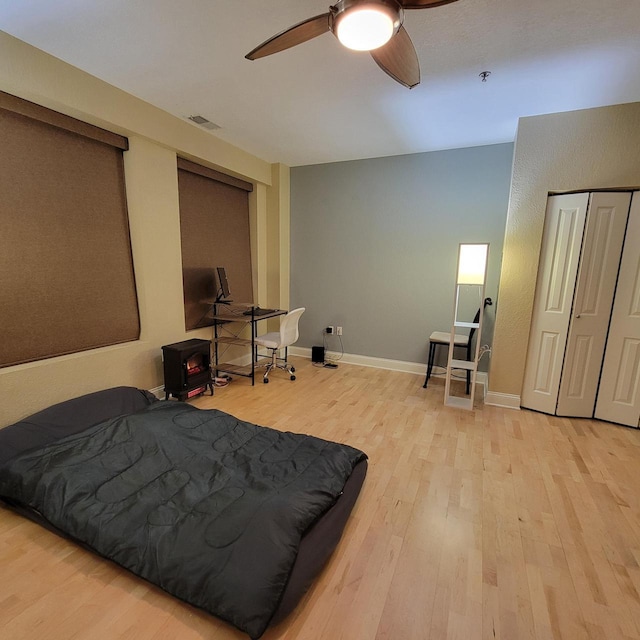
[319, 102]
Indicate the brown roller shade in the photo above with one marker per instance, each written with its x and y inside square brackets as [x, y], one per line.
[218, 176]
[55, 119]
[214, 227]
[66, 271]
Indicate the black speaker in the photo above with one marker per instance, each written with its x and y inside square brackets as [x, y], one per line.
[317, 354]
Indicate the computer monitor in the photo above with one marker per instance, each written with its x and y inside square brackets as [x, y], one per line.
[223, 291]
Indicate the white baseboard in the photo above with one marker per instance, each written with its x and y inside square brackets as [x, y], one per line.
[506, 400]
[366, 361]
[482, 378]
[158, 392]
[418, 368]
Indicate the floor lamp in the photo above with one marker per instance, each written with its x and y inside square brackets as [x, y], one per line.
[472, 273]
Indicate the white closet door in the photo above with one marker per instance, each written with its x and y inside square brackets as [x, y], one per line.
[564, 226]
[619, 394]
[597, 275]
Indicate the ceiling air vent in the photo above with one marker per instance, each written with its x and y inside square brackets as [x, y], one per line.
[203, 122]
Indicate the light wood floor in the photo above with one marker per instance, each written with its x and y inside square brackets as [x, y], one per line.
[493, 524]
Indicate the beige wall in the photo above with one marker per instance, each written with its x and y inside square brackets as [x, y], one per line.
[579, 150]
[155, 138]
[279, 239]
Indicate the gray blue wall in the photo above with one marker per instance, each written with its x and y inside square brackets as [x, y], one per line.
[374, 244]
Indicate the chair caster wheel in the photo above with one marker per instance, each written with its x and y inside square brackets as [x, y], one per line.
[265, 380]
[293, 369]
[293, 377]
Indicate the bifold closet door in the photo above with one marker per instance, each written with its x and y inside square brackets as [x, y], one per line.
[563, 229]
[597, 274]
[619, 393]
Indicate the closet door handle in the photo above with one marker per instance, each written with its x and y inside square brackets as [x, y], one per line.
[577, 316]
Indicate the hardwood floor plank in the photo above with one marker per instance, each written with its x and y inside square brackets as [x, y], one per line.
[492, 524]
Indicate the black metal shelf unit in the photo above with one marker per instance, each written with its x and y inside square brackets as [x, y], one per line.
[229, 321]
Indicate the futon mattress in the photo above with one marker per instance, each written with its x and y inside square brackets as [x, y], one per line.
[208, 507]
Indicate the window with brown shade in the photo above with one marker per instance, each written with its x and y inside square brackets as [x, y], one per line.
[214, 227]
[66, 270]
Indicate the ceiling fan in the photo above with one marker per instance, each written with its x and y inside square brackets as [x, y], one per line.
[363, 25]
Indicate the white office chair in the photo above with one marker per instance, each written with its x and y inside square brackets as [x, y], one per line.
[277, 340]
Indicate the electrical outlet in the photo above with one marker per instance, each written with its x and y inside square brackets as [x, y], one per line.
[329, 330]
[339, 331]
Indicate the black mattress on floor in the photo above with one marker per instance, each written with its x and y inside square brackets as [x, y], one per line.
[34, 455]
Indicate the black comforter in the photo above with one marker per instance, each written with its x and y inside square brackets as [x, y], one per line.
[206, 506]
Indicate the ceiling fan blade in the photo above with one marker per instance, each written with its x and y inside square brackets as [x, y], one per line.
[399, 59]
[423, 4]
[301, 32]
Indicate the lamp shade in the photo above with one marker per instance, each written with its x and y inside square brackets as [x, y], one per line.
[472, 263]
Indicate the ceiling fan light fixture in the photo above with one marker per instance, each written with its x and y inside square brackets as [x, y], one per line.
[366, 27]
